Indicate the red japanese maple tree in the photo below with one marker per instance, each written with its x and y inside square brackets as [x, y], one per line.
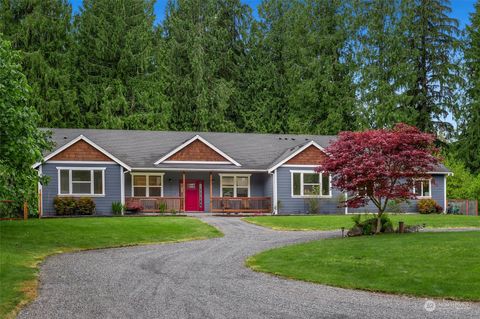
[380, 165]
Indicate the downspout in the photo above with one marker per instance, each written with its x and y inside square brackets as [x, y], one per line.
[275, 195]
[122, 188]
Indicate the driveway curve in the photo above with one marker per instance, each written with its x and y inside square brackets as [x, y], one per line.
[208, 279]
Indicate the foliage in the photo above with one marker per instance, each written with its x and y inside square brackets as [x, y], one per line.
[44, 237]
[462, 184]
[369, 225]
[65, 205]
[361, 263]
[117, 208]
[162, 207]
[313, 205]
[428, 206]
[380, 165]
[85, 206]
[42, 30]
[469, 137]
[21, 142]
[73, 206]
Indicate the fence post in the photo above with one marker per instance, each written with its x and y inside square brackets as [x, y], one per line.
[25, 210]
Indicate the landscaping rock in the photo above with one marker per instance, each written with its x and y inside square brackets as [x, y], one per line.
[355, 231]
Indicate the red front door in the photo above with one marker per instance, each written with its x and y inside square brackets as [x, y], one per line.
[193, 195]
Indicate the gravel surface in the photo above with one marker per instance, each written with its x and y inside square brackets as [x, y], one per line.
[208, 279]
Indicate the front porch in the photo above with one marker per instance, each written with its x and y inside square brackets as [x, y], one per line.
[199, 192]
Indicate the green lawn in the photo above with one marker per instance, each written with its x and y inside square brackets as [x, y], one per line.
[24, 244]
[331, 222]
[443, 265]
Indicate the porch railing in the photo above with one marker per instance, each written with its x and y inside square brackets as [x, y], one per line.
[156, 204]
[241, 204]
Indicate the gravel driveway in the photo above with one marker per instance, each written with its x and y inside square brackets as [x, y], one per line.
[208, 279]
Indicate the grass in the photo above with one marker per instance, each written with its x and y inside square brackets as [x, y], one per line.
[439, 265]
[332, 222]
[24, 244]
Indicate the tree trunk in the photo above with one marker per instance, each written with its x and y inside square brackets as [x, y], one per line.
[379, 222]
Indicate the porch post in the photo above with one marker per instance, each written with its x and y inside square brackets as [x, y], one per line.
[211, 194]
[183, 191]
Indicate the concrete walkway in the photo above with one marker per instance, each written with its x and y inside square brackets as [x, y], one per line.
[208, 279]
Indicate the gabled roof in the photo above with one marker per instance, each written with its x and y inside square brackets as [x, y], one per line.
[86, 140]
[204, 141]
[142, 149]
[291, 153]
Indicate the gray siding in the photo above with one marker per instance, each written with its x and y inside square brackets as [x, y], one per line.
[292, 205]
[171, 181]
[438, 193]
[103, 204]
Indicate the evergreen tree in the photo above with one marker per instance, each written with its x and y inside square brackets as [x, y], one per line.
[120, 82]
[21, 143]
[384, 71]
[41, 29]
[301, 76]
[319, 69]
[469, 140]
[205, 62]
[432, 47]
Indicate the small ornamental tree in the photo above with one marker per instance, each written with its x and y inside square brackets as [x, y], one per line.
[380, 165]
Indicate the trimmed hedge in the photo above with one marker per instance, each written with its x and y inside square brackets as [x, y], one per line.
[74, 206]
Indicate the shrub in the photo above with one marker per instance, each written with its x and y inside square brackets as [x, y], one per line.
[428, 206]
[117, 208]
[368, 226]
[313, 205]
[162, 207]
[65, 205]
[134, 206]
[85, 206]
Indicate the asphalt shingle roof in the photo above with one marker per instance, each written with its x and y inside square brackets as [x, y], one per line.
[141, 149]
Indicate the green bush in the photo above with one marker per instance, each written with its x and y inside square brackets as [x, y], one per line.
[85, 206]
[428, 206]
[369, 225]
[117, 208]
[65, 205]
[72, 206]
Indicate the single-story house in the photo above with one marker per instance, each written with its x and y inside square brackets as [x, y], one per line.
[199, 172]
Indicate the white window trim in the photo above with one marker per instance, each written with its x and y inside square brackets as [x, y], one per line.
[91, 169]
[234, 183]
[302, 188]
[421, 191]
[147, 186]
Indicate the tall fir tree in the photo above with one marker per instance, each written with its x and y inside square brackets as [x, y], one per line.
[433, 50]
[383, 68]
[469, 139]
[205, 58]
[41, 30]
[301, 80]
[119, 60]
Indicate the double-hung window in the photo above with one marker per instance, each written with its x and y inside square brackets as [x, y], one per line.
[147, 185]
[234, 185]
[422, 187]
[81, 181]
[310, 184]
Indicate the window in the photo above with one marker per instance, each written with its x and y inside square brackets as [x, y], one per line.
[81, 181]
[234, 185]
[310, 184]
[422, 187]
[147, 185]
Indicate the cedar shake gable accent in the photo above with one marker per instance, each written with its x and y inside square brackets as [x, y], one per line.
[309, 156]
[80, 151]
[197, 151]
